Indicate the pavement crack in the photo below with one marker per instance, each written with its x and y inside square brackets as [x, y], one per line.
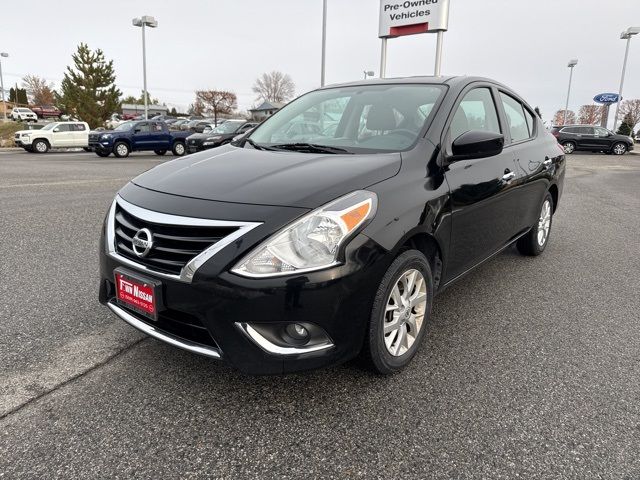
[70, 380]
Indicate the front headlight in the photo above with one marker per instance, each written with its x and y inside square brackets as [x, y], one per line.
[105, 137]
[26, 134]
[213, 139]
[312, 242]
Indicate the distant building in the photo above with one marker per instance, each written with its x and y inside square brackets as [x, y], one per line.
[131, 109]
[265, 110]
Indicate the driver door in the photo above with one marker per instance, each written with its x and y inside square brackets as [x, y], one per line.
[483, 200]
[142, 136]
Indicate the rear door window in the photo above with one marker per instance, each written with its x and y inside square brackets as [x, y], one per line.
[518, 126]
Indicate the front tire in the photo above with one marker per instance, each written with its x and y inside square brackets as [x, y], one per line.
[41, 146]
[179, 149]
[569, 147]
[619, 148]
[401, 310]
[121, 150]
[535, 241]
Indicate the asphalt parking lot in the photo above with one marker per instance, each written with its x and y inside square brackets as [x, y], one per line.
[531, 366]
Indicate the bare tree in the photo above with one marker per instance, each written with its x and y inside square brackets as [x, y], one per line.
[590, 114]
[274, 87]
[217, 101]
[39, 90]
[630, 109]
[558, 118]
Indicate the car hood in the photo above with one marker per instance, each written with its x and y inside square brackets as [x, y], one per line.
[293, 179]
[202, 136]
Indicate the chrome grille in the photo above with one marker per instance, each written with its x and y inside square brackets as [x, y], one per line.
[173, 245]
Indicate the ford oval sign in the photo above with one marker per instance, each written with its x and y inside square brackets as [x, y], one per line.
[606, 98]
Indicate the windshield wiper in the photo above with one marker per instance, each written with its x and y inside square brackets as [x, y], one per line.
[255, 145]
[309, 147]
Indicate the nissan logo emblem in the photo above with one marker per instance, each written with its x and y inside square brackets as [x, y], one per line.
[142, 242]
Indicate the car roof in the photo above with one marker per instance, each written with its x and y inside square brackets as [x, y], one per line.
[427, 80]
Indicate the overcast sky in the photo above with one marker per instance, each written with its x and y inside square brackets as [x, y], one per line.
[226, 44]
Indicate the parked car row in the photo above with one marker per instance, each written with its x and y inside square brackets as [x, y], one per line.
[24, 114]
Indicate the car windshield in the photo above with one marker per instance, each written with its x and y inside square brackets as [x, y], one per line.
[227, 127]
[24, 110]
[124, 127]
[49, 126]
[356, 119]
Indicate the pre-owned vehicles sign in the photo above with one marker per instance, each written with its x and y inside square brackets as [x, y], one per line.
[407, 17]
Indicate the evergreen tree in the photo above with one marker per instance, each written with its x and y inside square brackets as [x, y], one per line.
[22, 96]
[625, 126]
[88, 90]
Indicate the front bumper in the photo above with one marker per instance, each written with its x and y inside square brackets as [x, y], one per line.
[210, 314]
[194, 146]
[100, 146]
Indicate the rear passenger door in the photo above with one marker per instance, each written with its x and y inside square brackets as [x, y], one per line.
[586, 138]
[482, 200]
[80, 135]
[527, 144]
[160, 137]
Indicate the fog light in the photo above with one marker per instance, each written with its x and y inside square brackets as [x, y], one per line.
[297, 332]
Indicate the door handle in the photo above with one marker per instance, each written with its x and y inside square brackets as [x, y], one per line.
[508, 176]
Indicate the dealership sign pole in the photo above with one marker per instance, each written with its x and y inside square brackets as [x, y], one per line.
[409, 17]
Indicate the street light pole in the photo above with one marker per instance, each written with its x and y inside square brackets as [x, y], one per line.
[4, 104]
[324, 41]
[571, 64]
[146, 21]
[626, 35]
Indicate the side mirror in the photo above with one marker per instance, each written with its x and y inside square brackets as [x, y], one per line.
[56, 130]
[476, 144]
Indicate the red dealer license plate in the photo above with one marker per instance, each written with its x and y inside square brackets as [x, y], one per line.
[137, 293]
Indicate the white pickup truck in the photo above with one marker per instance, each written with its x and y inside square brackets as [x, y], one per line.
[54, 135]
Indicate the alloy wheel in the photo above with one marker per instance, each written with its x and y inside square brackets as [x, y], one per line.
[404, 313]
[41, 147]
[122, 150]
[619, 149]
[544, 223]
[569, 147]
[179, 149]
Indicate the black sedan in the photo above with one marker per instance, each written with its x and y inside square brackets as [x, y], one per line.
[216, 136]
[277, 255]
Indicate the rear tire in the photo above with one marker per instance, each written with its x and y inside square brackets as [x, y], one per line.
[160, 152]
[393, 305]
[121, 150]
[179, 149]
[569, 147]
[535, 241]
[619, 148]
